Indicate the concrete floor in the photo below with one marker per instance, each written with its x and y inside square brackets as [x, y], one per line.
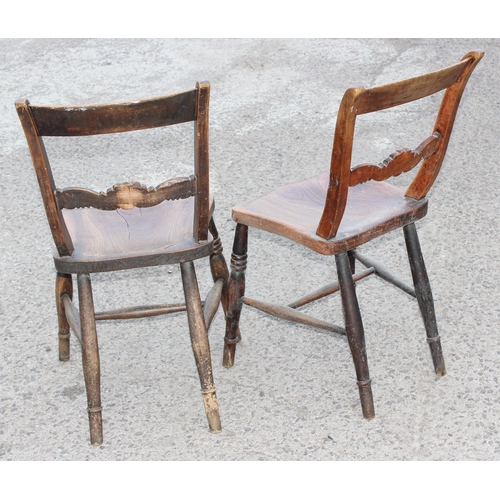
[292, 393]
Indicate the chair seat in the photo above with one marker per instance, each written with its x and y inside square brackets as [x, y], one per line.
[124, 239]
[294, 211]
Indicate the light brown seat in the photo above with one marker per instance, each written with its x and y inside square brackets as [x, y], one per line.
[335, 212]
[130, 226]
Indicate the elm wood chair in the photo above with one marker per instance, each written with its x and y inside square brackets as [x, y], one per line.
[130, 226]
[337, 211]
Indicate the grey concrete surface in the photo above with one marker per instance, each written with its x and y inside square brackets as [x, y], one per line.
[292, 393]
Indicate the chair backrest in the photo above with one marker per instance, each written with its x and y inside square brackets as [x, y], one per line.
[358, 101]
[39, 121]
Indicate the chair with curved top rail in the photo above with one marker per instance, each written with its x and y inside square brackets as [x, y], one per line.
[130, 226]
[337, 211]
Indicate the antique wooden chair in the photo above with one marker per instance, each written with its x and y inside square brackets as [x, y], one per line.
[130, 226]
[337, 211]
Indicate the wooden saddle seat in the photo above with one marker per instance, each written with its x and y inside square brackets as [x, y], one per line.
[120, 239]
[130, 226]
[294, 211]
[337, 211]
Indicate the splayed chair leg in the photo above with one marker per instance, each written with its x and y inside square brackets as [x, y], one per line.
[424, 297]
[236, 290]
[90, 358]
[199, 342]
[64, 286]
[355, 333]
[352, 262]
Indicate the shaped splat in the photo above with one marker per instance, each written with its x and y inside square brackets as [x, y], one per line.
[127, 195]
[401, 161]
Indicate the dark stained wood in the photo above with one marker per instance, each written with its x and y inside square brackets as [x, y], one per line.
[293, 211]
[64, 286]
[46, 182]
[140, 311]
[235, 292]
[355, 333]
[199, 342]
[212, 302]
[73, 317]
[335, 212]
[326, 290]
[127, 196]
[424, 297]
[290, 314]
[219, 268]
[130, 226]
[202, 214]
[384, 273]
[116, 117]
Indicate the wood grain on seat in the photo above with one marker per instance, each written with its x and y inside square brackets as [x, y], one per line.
[294, 211]
[121, 239]
[337, 211]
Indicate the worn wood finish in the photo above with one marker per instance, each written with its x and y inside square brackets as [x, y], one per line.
[401, 161]
[219, 268]
[430, 168]
[140, 311]
[359, 101]
[334, 287]
[384, 273]
[236, 290]
[355, 333]
[212, 302]
[340, 165]
[73, 317]
[60, 234]
[64, 286]
[202, 213]
[90, 358]
[107, 240]
[290, 314]
[337, 211]
[424, 297]
[372, 209]
[199, 342]
[127, 196]
[116, 117]
[412, 89]
[129, 226]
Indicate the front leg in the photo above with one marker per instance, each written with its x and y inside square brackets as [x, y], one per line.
[64, 286]
[236, 290]
[355, 333]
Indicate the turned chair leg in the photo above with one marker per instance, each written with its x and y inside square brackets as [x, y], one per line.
[90, 358]
[355, 333]
[424, 297]
[199, 342]
[64, 286]
[236, 290]
[219, 269]
[218, 264]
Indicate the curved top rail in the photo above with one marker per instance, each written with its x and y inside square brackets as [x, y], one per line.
[115, 117]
